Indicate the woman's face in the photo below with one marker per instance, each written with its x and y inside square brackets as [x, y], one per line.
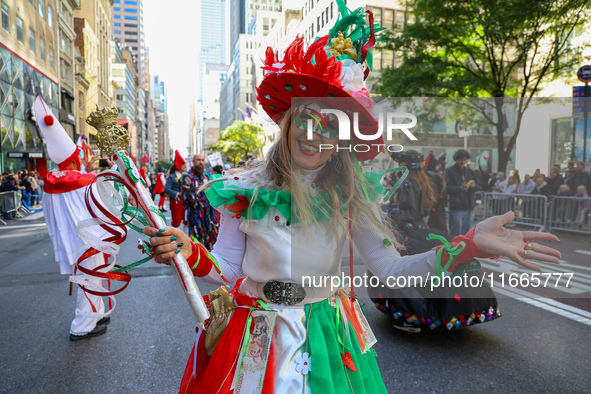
[306, 153]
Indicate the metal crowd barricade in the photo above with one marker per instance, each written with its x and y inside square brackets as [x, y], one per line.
[530, 209]
[10, 202]
[479, 209]
[26, 202]
[570, 214]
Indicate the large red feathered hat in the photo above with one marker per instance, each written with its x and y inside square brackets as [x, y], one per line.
[334, 66]
[178, 160]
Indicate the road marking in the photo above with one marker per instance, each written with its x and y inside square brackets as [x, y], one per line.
[587, 252]
[23, 226]
[547, 304]
[580, 282]
[34, 216]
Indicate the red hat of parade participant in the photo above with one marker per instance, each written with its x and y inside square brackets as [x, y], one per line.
[432, 161]
[178, 161]
[143, 171]
[333, 68]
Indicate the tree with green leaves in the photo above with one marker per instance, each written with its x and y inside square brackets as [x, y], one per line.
[164, 164]
[239, 140]
[501, 49]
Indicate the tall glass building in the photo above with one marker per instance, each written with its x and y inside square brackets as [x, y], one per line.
[127, 19]
[213, 38]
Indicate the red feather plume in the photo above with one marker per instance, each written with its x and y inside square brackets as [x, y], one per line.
[296, 59]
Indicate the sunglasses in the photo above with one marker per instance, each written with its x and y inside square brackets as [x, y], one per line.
[326, 125]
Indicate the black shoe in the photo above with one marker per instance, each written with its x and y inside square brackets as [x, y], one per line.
[98, 330]
[406, 327]
[105, 320]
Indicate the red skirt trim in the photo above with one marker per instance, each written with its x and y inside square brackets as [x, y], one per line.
[215, 373]
[177, 211]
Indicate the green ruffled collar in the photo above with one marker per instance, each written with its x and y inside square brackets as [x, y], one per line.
[239, 200]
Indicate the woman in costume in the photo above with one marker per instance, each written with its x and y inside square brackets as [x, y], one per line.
[159, 188]
[414, 199]
[174, 189]
[289, 217]
[415, 308]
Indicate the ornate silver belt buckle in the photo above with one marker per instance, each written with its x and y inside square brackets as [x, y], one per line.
[284, 293]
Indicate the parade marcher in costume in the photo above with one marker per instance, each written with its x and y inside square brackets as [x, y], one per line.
[64, 206]
[415, 308]
[462, 185]
[200, 216]
[152, 186]
[415, 196]
[174, 189]
[437, 214]
[288, 217]
[143, 172]
[159, 188]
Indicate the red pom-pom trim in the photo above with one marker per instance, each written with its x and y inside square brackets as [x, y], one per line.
[48, 119]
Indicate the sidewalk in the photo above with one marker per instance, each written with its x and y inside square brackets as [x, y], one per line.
[33, 218]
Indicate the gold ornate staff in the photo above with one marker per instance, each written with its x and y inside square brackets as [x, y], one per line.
[111, 136]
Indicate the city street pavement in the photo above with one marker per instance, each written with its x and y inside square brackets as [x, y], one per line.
[535, 346]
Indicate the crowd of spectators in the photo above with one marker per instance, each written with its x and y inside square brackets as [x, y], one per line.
[576, 182]
[28, 183]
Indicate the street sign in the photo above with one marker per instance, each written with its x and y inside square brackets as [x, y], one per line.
[464, 133]
[584, 74]
[579, 101]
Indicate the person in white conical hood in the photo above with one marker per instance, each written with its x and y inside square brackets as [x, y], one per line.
[63, 207]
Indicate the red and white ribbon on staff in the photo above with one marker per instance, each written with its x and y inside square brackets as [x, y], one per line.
[110, 204]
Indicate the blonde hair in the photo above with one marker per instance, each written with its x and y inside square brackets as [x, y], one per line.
[339, 179]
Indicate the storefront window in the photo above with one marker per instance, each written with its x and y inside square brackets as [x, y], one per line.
[19, 130]
[19, 85]
[3, 131]
[579, 141]
[30, 140]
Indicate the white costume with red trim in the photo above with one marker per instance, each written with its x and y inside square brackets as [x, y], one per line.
[64, 206]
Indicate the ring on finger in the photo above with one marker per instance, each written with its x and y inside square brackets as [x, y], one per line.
[528, 245]
[525, 254]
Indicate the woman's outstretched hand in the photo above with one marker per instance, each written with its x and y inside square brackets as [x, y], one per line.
[491, 237]
[168, 243]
